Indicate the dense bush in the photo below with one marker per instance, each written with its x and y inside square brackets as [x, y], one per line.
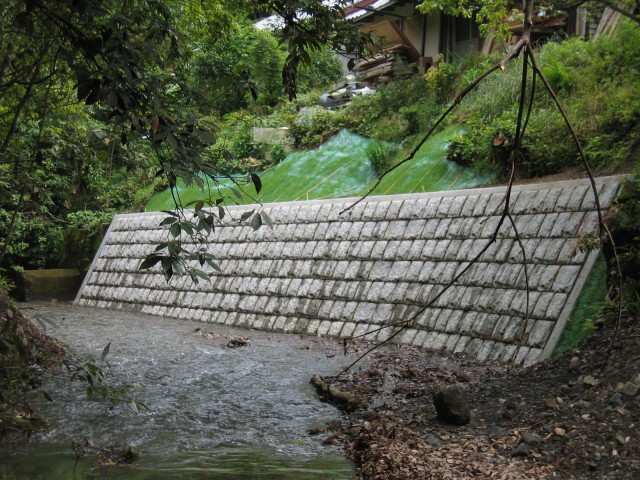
[599, 85]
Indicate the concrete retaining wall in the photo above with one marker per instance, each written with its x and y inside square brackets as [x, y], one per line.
[322, 273]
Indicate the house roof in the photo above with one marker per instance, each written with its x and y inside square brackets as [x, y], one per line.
[365, 8]
[362, 10]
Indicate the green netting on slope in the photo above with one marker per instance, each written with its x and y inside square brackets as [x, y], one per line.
[429, 171]
[580, 323]
[340, 168]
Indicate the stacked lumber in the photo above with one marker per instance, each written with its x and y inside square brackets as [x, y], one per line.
[385, 63]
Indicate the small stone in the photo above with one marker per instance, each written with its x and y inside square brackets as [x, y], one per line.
[521, 450]
[574, 363]
[431, 439]
[590, 380]
[495, 431]
[572, 434]
[559, 431]
[630, 389]
[551, 403]
[616, 400]
[621, 440]
[531, 438]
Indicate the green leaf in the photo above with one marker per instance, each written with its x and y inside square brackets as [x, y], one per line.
[199, 205]
[167, 269]
[214, 265]
[138, 407]
[187, 227]
[168, 221]
[105, 351]
[150, 261]
[177, 266]
[175, 230]
[161, 246]
[175, 248]
[198, 274]
[256, 181]
[246, 215]
[256, 222]
[266, 219]
[221, 212]
[169, 212]
[236, 193]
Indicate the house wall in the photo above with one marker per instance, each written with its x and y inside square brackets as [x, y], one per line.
[432, 36]
[412, 29]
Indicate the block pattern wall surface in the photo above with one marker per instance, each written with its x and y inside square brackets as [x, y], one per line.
[321, 272]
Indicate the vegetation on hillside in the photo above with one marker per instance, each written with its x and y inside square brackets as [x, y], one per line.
[103, 102]
[598, 81]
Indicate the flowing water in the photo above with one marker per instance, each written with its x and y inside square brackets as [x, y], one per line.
[214, 412]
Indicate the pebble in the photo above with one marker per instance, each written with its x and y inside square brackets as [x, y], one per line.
[561, 432]
[574, 363]
[590, 380]
[573, 434]
[616, 400]
[621, 440]
[431, 439]
[531, 438]
[520, 451]
[630, 389]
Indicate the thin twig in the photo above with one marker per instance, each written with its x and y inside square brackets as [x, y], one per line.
[605, 233]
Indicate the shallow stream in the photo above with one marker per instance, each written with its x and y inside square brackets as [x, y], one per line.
[214, 412]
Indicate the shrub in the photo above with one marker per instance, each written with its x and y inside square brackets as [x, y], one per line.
[381, 155]
[441, 79]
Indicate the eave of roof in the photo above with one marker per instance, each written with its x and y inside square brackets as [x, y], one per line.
[363, 9]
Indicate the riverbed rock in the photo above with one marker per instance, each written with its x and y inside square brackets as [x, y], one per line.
[452, 405]
[531, 438]
[520, 451]
[574, 363]
[630, 389]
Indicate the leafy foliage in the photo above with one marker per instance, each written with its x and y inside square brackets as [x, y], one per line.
[93, 93]
[607, 123]
[92, 373]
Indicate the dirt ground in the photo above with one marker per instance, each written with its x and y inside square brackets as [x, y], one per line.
[565, 418]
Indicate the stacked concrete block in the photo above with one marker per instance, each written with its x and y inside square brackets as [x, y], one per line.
[446, 271]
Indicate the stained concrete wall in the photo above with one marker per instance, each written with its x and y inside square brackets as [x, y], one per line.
[321, 272]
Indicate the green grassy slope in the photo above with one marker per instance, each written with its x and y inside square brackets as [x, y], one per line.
[339, 168]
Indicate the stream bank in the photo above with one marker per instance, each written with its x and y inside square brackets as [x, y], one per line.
[563, 419]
